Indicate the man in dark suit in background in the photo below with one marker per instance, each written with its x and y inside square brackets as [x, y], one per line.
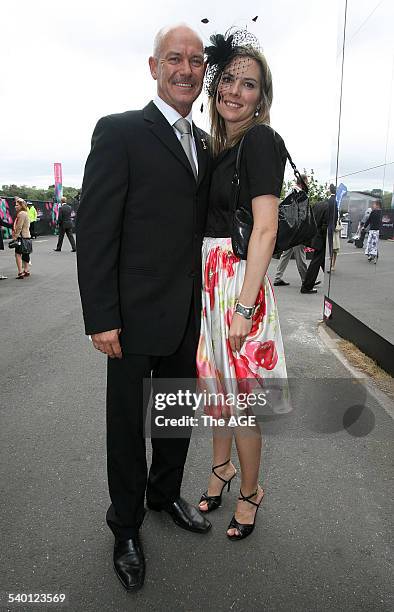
[326, 216]
[140, 226]
[65, 224]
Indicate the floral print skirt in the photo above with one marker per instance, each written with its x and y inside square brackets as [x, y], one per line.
[372, 243]
[261, 359]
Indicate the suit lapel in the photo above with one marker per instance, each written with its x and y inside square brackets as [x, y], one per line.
[202, 153]
[165, 133]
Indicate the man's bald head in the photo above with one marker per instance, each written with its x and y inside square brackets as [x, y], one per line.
[168, 30]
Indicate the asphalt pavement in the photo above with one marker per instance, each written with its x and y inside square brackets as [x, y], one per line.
[366, 289]
[322, 538]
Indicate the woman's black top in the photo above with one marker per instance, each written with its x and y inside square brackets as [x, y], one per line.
[375, 219]
[261, 173]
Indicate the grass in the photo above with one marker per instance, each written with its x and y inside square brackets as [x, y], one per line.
[359, 360]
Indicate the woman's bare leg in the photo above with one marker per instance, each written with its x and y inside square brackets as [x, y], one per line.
[249, 445]
[334, 260]
[18, 259]
[222, 438]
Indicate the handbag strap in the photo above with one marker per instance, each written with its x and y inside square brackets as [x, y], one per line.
[236, 175]
[296, 173]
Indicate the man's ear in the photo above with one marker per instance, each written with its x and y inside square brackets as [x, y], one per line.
[153, 67]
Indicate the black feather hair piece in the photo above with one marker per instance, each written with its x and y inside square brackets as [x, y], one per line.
[221, 49]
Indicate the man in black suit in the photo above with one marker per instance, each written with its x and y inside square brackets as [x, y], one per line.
[65, 225]
[326, 216]
[140, 226]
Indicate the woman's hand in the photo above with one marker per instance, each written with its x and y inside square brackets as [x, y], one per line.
[239, 330]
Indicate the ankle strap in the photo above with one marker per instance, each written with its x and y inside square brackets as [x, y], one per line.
[247, 497]
[218, 466]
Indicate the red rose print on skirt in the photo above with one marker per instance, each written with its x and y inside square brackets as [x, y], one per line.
[211, 275]
[263, 354]
[259, 312]
[227, 261]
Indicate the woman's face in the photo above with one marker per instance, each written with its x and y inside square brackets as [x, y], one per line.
[17, 207]
[239, 91]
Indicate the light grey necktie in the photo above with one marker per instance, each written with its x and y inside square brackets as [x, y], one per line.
[184, 128]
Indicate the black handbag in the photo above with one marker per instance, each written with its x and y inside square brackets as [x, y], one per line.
[24, 244]
[296, 222]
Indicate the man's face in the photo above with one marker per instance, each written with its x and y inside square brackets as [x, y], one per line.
[179, 69]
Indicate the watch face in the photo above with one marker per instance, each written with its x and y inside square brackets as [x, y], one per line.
[245, 312]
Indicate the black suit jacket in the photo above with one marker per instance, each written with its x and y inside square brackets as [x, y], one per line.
[64, 217]
[320, 211]
[140, 226]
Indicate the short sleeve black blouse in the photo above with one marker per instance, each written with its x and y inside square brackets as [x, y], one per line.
[262, 168]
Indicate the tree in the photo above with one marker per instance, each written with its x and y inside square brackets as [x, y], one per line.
[34, 193]
[317, 191]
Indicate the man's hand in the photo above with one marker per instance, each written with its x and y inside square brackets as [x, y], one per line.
[108, 342]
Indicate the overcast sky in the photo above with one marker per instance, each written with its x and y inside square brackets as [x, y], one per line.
[64, 65]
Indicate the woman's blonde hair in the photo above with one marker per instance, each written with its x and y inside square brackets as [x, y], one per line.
[219, 140]
[21, 203]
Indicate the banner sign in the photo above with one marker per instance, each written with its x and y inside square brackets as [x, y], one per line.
[58, 182]
[341, 191]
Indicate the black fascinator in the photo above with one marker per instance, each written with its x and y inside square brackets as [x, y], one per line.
[222, 50]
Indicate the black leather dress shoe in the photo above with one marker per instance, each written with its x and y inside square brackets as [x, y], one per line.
[184, 515]
[302, 290]
[281, 283]
[129, 563]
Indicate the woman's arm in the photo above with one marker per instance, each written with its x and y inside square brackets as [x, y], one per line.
[18, 224]
[260, 249]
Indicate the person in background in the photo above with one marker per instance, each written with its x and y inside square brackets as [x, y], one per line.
[297, 251]
[332, 217]
[336, 244]
[32, 212]
[326, 216]
[320, 210]
[360, 234]
[374, 222]
[65, 226]
[21, 229]
[9, 226]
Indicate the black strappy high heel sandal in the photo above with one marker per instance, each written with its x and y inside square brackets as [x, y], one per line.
[214, 501]
[244, 529]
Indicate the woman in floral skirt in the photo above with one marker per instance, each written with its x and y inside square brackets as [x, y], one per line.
[240, 345]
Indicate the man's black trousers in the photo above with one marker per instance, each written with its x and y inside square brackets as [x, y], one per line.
[128, 477]
[312, 272]
[70, 236]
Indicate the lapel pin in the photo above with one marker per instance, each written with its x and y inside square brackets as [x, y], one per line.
[204, 144]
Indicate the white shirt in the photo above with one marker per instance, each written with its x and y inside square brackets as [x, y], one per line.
[172, 116]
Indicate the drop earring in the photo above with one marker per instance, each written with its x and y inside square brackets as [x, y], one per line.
[257, 111]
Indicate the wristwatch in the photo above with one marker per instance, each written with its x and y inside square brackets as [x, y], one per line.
[246, 311]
